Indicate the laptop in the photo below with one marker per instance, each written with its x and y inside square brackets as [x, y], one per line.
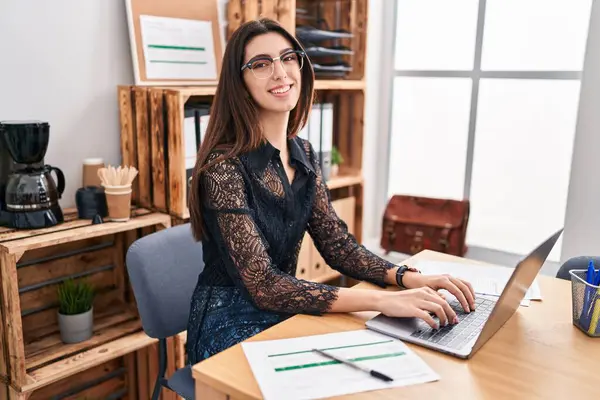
[474, 329]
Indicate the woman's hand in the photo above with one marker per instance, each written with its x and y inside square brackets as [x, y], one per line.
[461, 289]
[417, 303]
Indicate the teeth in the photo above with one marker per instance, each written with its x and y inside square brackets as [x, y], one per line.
[281, 90]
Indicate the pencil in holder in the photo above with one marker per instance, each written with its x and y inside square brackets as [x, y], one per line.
[586, 304]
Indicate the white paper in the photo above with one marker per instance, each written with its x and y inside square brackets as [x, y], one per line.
[189, 134]
[327, 127]
[203, 125]
[486, 279]
[288, 368]
[176, 48]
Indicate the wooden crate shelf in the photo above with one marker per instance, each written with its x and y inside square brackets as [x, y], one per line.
[240, 11]
[345, 179]
[180, 352]
[326, 277]
[185, 92]
[34, 263]
[147, 369]
[311, 266]
[92, 357]
[152, 139]
[112, 324]
[340, 84]
[152, 119]
[348, 15]
[114, 379]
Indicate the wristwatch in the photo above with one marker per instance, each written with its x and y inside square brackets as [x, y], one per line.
[400, 274]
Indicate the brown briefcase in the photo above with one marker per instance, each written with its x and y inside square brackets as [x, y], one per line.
[412, 224]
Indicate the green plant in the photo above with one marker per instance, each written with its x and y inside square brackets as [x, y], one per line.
[336, 157]
[75, 297]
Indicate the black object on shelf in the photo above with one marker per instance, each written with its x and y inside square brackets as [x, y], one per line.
[321, 51]
[324, 30]
[90, 202]
[312, 34]
[332, 69]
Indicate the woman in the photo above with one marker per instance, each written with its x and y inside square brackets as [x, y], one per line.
[257, 188]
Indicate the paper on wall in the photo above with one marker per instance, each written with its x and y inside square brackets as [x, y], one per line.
[176, 48]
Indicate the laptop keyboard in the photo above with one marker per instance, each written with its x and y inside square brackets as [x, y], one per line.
[468, 327]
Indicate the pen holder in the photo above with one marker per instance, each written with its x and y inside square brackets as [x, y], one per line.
[586, 304]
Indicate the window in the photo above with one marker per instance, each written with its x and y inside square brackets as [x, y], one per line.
[484, 106]
[430, 111]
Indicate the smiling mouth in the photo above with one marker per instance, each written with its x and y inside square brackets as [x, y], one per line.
[281, 89]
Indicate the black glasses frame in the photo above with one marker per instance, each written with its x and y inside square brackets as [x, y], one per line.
[300, 54]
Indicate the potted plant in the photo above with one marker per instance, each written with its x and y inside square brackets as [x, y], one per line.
[76, 311]
[336, 160]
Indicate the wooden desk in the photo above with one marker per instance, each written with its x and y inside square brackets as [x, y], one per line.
[538, 354]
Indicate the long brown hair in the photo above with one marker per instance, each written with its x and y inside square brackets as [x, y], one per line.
[233, 125]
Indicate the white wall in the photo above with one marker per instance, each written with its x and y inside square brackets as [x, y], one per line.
[374, 130]
[582, 220]
[63, 59]
[61, 62]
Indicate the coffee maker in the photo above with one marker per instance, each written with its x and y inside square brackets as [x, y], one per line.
[28, 193]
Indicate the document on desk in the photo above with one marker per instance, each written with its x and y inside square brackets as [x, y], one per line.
[486, 279]
[288, 368]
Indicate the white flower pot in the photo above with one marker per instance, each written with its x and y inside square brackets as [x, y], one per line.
[335, 169]
[76, 328]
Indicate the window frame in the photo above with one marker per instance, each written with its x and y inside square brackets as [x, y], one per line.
[386, 90]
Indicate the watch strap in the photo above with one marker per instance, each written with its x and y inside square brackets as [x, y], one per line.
[400, 274]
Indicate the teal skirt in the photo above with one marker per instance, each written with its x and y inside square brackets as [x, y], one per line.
[221, 317]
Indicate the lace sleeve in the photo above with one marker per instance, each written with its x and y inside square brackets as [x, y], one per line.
[245, 251]
[337, 246]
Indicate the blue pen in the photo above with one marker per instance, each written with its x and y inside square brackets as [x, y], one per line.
[588, 294]
[596, 297]
[590, 273]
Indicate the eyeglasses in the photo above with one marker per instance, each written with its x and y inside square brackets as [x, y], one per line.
[263, 67]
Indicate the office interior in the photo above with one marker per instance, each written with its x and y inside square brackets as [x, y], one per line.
[493, 101]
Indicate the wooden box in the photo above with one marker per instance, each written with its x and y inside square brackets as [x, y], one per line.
[180, 342]
[33, 263]
[114, 379]
[311, 266]
[348, 125]
[130, 377]
[153, 138]
[146, 360]
[349, 16]
[240, 11]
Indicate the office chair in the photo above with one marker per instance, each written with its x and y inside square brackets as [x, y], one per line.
[580, 262]
[163, 269]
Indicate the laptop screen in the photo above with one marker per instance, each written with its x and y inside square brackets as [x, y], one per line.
[515, 290]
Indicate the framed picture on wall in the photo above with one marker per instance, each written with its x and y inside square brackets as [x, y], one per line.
[175, 42]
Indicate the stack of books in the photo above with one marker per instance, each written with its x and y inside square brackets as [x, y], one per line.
[319, 132]
[195, 122]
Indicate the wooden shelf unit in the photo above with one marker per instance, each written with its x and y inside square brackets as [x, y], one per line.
[152, 121]
[114, 379]
[152, 140]
[34, 263]
[185, 92]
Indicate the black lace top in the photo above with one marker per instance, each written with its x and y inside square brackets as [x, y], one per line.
[256, 220]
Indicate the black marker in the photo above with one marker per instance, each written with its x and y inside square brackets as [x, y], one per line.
[374, 373]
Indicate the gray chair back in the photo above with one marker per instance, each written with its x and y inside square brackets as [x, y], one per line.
[163, 269]
[580, 262]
